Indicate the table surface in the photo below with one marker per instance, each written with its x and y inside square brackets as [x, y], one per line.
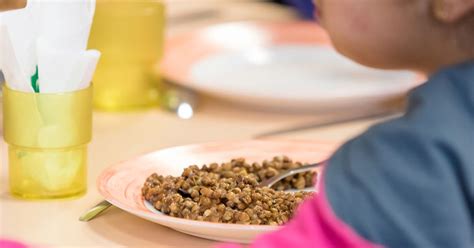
[125, 135]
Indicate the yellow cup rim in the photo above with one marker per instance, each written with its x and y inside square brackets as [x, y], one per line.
[5, 86]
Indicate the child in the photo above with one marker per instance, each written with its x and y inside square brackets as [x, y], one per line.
[408, 182]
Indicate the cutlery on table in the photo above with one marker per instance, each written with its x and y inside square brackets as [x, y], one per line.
[346, 118]
[179, 100]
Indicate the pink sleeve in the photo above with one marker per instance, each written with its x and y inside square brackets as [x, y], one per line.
[4, 243]
[314, 225]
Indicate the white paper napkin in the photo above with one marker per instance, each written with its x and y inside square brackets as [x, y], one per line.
[48, 40]
[18, 60]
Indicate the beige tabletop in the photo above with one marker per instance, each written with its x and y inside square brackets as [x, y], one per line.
[121, 136]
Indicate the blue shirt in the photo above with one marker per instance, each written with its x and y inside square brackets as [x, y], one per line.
[409, 182]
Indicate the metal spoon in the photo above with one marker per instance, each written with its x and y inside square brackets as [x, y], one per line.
[179, 100]
[104, 205]
[95, 211]
[271, 181]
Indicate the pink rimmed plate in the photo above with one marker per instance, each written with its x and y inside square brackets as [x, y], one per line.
[121, 184]
[279, 66]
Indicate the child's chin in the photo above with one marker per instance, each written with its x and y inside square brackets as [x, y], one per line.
[373, 62]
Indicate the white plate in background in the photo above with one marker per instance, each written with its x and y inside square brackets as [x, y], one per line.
[283, 66]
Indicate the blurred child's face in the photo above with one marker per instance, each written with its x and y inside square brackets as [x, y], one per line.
[378, 33]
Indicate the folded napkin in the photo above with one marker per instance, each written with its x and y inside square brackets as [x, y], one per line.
[43, 46]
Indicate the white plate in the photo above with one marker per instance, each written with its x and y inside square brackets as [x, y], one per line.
[279, 66]
[121, 185]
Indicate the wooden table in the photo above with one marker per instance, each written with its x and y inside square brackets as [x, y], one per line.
[121, 136]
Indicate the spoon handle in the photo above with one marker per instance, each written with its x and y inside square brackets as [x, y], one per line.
[95, 210]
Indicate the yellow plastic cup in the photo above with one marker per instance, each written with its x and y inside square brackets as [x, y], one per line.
[129, 34]
[47, 137]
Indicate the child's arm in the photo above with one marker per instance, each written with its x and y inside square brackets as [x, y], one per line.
[392, 186]
[401, 186]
